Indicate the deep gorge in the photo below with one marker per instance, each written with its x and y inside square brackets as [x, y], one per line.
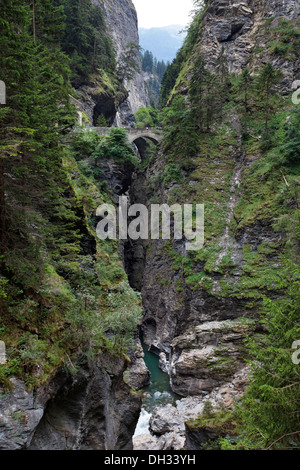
[82, 317]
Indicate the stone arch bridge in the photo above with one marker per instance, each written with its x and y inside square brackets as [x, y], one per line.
[137, 136]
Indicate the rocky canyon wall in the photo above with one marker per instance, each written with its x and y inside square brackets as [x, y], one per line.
[198, 309]
[122, 22]
[101, 96]
[92, 409]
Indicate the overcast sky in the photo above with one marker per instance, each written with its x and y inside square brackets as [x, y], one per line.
[153, 13]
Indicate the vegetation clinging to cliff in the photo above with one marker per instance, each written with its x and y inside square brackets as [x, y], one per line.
[62, 290]
[86, 40]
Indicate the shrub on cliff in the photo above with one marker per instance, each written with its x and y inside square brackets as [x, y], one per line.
[116, 146]
[290, 149]
[146, 116]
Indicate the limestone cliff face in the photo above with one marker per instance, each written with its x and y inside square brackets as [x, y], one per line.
[122, 24]
[237, 28]
[99, 95]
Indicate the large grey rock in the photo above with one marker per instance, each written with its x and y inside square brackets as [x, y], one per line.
[169, 441]
[206, 356]
[165, 419]
[137, 374]
[20, 413]
[146, 442]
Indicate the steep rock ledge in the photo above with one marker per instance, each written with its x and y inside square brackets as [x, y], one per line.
[208, 355]
[100, 95]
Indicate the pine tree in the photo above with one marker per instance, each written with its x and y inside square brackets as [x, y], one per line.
[205, 95]
[128, 64]
[181, 136]
[168, 81]
[148, 62]
[160, 68]
[271, 406]
[222, 66]
[48, 22]
[290, 149]
[86, 40]
[38, 110]
[244, 86]
[268, 78]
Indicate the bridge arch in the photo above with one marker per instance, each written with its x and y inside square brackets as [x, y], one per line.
[141, 137]
[141, 143]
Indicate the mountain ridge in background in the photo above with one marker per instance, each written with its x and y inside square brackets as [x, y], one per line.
[163, 42]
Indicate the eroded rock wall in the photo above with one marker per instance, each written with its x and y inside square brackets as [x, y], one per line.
[93, 409]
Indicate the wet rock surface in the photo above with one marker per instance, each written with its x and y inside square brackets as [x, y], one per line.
[137, 375]
[168, 430]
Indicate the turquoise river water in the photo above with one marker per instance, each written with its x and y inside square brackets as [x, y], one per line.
[157, 393]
